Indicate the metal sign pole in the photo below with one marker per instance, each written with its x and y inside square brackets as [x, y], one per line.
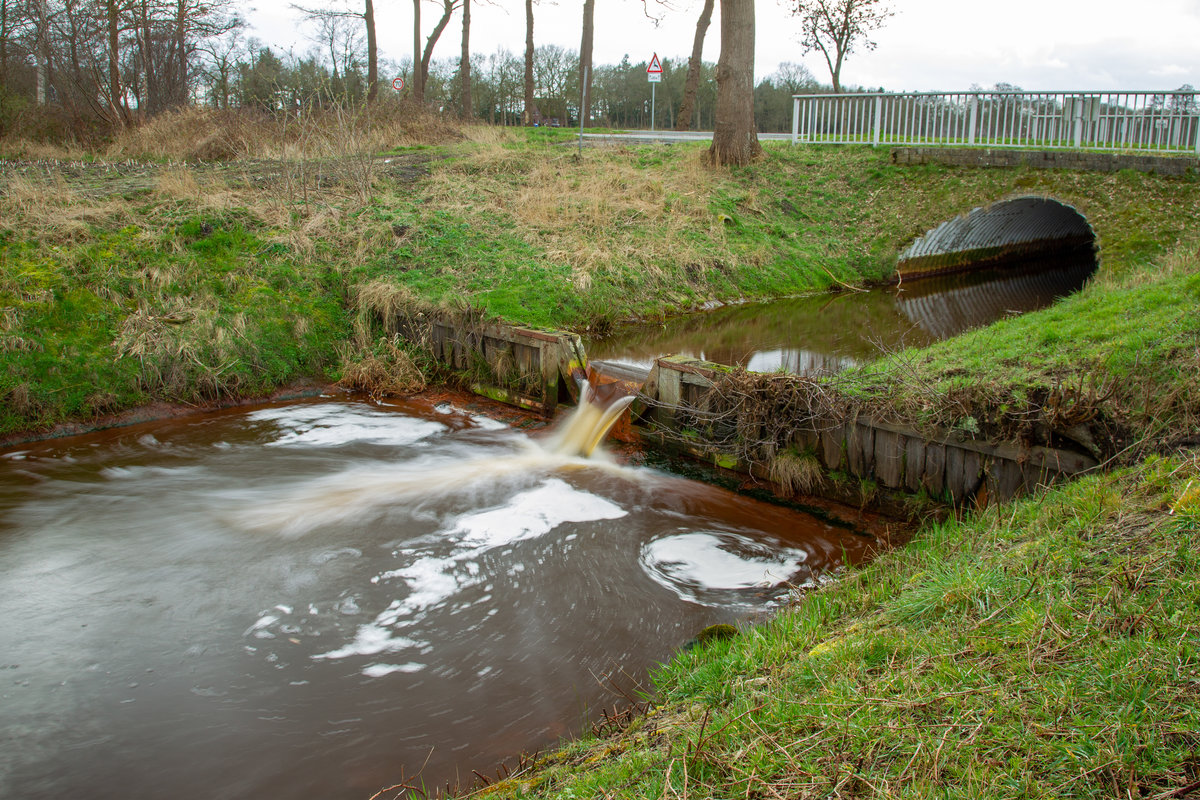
[583, 109]
[653, 87]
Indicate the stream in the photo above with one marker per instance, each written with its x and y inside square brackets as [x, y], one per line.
[324, 598]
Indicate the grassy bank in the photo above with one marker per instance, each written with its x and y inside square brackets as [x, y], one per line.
[134, 277]
[1115, 366]
[1047, 648]
[1050, 648]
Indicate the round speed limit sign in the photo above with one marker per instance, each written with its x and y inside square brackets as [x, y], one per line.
[398, 84]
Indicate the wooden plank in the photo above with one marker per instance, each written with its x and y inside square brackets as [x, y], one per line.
[973, 471]
[805, 438]
[889, 458]
[541, 336]
[860, 449]
[1065, 461]
[669, 396]
[548, 361]
[954, 473]
[914, 462]
[528, 360]
[1036, 476]
[934, 476]
[964, 473]
[833, 440]
[1005, 479]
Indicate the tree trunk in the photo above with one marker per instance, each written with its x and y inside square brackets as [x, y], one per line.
[418, 89]
[372, 52]
[150, 69]
[114, 62]
[3, 42]
[735, 137]
[427, 57]
[684, 121]
[42, 46]
[527, 114]
[464, 64]
[585, 61]
[178, 65]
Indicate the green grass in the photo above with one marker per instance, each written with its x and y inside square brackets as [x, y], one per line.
[1049, 648]
[1122, 356]
[227, 281]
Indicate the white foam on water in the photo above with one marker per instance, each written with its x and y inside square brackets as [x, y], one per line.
[263, 622]
[361, 491]
[432, 580]
[330, 424]
[370, 640]
[487, 423]
[534, 513]
[379, 670]
[694, 563]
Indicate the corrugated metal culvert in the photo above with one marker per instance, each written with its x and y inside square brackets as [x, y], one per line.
[1015, 228]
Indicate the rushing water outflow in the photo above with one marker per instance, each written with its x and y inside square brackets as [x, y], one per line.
[314, 599]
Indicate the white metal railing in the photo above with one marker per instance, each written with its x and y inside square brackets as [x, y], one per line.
[1164, 122]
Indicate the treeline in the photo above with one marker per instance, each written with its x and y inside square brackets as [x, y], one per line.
[81, 68]
[620, 93]
[90, 65]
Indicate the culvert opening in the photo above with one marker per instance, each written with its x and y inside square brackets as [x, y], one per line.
[1023, 234]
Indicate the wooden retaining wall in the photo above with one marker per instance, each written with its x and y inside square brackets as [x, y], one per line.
[537, 369]
[527, 367]
[946, 464]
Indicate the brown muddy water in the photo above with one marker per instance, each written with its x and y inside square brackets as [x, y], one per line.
[318, 599]
[829, 332]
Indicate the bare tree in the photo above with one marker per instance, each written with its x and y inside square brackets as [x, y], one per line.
[684, 120]
[837, 27]
[343, 42]
[527, 114]
[418, 88]
[585, 61]
[735, 138]
[367, 15]
[467, 107]
[448, 9]
[223, 55]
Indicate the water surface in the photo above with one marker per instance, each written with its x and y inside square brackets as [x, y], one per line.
[826, 332]
[319, 599]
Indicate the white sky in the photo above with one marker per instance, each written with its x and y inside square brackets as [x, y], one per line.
[928, 45]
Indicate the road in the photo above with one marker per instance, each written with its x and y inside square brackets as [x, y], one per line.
[641, 137]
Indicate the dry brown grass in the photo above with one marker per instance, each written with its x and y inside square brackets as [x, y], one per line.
[387, 302]
[386, 371]
[25, 149]
[795, 473]
[591, 214]
[179, 183]
[51, 210]
[203, 134]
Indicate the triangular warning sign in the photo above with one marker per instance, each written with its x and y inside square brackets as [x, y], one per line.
[655, 64]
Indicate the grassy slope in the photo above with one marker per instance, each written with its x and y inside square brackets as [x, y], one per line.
[1050, 648]
[1121, 357]
[200, 282]
[1044, 649]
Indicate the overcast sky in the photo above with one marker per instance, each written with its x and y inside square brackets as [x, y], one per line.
[927, 45]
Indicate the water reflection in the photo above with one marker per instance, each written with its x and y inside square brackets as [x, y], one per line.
[826, 333]
[307, 600]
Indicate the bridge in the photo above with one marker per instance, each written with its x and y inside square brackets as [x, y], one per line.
[1141, 121]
